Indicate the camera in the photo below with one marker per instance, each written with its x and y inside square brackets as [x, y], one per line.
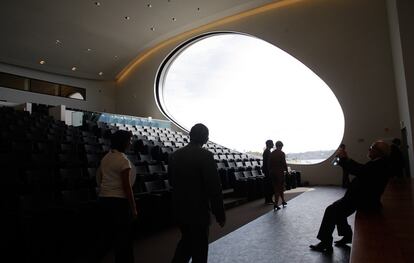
[335, 160]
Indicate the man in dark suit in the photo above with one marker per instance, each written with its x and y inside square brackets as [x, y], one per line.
[363, 193]
[268, 187]
[196, 192]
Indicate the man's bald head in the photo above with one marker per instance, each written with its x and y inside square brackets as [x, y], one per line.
[379, 149]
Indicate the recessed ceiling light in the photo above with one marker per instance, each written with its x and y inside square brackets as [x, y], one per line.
[74, 68]
[41, 62]
[89, 49]
[115, 57]
[100, 73]
[97, 3]
[127, 18]
[174, 19]
[149, 5]
[152, 28]
[58, 42]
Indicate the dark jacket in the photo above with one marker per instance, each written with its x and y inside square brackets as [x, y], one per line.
[196, 186]
[265, 166]
[366, 188]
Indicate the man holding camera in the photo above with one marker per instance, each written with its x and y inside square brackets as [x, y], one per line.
[363, 193]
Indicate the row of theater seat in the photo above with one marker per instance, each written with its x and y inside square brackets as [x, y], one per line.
[70, 153]
[48, 170]
[49, 173]
[69, 147]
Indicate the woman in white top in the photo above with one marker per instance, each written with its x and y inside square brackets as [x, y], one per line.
[115, 177]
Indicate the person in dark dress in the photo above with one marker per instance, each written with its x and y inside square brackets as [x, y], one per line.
[196, 192]
[268, 188]
[364, 193]
[277, 169]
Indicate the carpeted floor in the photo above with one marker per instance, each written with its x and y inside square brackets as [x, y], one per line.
[160, 247]
[283, 236]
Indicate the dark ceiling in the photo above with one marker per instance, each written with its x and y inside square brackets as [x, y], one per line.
[97, 39]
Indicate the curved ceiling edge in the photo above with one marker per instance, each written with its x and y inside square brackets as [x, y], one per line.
[198, 30]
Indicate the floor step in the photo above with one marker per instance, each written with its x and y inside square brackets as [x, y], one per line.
[234, 201]
[227, 193]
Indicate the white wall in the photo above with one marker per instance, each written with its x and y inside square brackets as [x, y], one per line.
[99, 94]
[400, 58]
[406, 21]
[346, 43]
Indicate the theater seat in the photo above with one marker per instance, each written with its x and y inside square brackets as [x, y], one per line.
[157, 169]
[73, 179]
[157, 186]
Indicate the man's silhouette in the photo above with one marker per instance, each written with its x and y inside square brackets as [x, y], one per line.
[363, 193]
[268, 187]
[196, 192]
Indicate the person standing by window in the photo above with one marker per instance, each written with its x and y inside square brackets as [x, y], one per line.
[268, 188]
[277, 169]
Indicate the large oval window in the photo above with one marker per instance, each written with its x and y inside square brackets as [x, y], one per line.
[247, 91]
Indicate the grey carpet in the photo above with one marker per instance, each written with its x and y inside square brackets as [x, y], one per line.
[282, 236]
[256, 234]
[160, 247]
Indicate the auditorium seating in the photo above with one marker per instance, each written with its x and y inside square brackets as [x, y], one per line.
[50, 167]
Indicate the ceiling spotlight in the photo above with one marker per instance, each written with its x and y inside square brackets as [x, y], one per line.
[41, 62]
[127, 18]
[58, 42]
[149, 5]
[74, 68]
[174, 19]
[89, 49]
[97, 3]
[100, 73]
[152, 28]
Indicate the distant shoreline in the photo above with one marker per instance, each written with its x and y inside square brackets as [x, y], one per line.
[309, 161]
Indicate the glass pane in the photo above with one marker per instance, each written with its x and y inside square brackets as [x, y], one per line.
[39, 86]
[12, 81]
[72, 92]
[44, 87]
[247, 91]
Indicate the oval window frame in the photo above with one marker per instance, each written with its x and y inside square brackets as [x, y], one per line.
[170, 58]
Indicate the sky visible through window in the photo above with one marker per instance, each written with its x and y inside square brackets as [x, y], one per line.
[246, 91]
